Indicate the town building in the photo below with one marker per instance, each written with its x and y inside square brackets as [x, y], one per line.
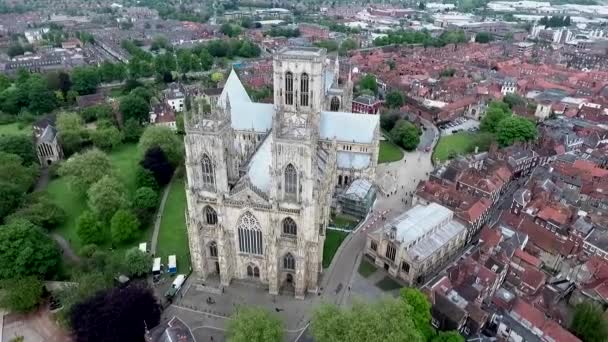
[367, 104]
[261, 176]
[48, 148]
[416, 242]
[358, 198]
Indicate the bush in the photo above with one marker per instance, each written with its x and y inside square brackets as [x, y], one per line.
[21, 294]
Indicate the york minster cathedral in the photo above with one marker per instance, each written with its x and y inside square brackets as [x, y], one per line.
[261, 176]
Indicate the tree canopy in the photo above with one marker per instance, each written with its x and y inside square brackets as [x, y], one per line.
[166, 139]
[21, 294]
[515, 128]
[394, 99]
[589, 324]
[116, 314]
[495, 113]
[26, 250]
[134, 107]
[85, 169]
[137, 263]
[369, 82]
[123, 226]
[254, 325]
[484, 37]
[406, 134]
[90, 229]
[155, 160]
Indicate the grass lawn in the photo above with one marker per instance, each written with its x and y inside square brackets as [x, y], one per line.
[173, 236]
[366, 268]
[388, 284]
[333, 240]
[13, 128]
[344, 221]
[124, 161]
[461, 143]
[389, 152]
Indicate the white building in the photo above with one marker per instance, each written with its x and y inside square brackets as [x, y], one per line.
[261, 176]
[417, 242]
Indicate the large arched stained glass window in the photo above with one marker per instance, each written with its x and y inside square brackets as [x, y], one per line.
[250, 234]
[288, 88]
[208, 174]
[289, 262]
[291, 180]
[289, 226]
[304, 89]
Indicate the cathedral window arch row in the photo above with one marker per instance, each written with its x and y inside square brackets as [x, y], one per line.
[210, 215]
[289, 88]
[304, 89]
[250, 235]
[213, 249]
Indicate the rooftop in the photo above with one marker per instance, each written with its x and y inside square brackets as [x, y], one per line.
[301, 51]
[419, 221]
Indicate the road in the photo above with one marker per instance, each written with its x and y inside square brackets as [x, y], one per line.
[405, 175]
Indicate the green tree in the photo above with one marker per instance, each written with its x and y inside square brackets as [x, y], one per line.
[137, 263]
[40, 211]
[495, 113]
[85, 169]
[388, 120]
[19, 144]
[135, 107]
[21, 294]
[347, 45]
[515, 128]
[15, 50]
[13, 171]
[41, 98]
[97, 112]
[132, 130]
[90, 229]
[384, 320]
[589, 324]
[369, 82]
[513, 100]
[166, 139]
[124, 226]
[85, 80]
[86, 285]
[394, 99]
[144, 203]
[68, 121]
[107, 138]
[406, 134]
[10, 198]
[421, 311]
[254, 325]
[106, 196]
[483, 37]
[144, 178]
[26, 250]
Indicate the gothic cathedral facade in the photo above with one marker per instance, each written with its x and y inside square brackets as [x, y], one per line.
[261, 176]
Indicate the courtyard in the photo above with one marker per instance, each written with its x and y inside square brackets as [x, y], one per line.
[461, 143]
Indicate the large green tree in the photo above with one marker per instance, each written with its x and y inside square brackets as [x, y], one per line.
[134, 107]
[166, 139]
[254, 325]
[85, 169]
[40, 211]
[394, 99]
[21, 294]
[106, 196]
[495, 113]
[85, 80]
[90, 229]
[406, 134]
[106, 138]
[26, 250]
[386, 320]
[137, 263]
[369, 82]
[515, 128]
[421, 311]
[123, 225]
[589, 323]
[13, 171]
[21, 145]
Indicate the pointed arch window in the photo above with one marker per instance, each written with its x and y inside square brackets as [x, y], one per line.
[304, 89]
[289, 226]
[288, 88]
[250, 234]
[334, 104]
[213, 249]
[208, 172]
[289, 262]
[210, 215]
[291, 179]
